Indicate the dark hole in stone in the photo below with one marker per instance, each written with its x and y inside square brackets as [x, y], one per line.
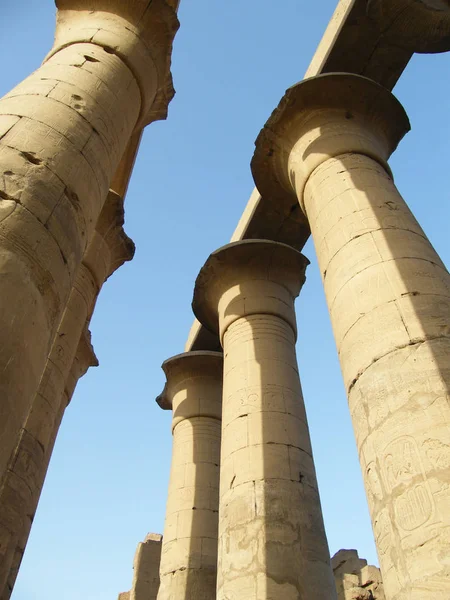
[30, 156]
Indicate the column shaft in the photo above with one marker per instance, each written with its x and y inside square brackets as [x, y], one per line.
[69, 359]
[146, 569]
[189, 551]
[63, 132]
[272, 542]
[388, 295]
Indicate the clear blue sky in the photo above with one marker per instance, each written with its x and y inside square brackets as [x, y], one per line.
[107, 482]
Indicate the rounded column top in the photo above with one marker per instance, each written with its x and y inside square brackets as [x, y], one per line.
[248, 278]
[321, 118]
[139, 32]
[194, 385]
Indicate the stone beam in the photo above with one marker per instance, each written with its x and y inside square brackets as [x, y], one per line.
[375, 39]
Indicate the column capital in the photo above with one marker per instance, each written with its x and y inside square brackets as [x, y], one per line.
[417, 25]
[247, 278]
[84, 358]
[139, 32]
[187, 391]
[110, 246]
[321, 118]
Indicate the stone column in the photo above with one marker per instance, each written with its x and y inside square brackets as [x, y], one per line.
[29, 473]
[189, 552]
[71, 354]
[272, 542]
[146, 563]
[62, 134]
[355, 579]
[388, 295]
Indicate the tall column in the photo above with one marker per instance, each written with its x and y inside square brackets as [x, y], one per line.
[71, 353]
[189, 551]
[27, 470]
[272, 541]
[63, 132]
[388, 294]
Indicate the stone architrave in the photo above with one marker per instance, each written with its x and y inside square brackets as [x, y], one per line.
[189, 551]
[272, 541]
[63, 132]
[388, 294]
[70, 356]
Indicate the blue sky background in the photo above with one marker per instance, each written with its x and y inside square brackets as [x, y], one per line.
[107, 482]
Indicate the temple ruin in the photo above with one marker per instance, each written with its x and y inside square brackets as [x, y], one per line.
[244, 518]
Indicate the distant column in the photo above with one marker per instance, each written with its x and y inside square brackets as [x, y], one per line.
[388, 295]
[146, 568]
[70, 357]
[355, 579]
[63, 132]
[272, 541]
[189, 552]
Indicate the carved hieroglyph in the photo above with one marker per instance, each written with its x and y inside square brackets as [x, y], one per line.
[63, 132]
[388, 294]
[189, 553]
[69, 359]
[272, 542]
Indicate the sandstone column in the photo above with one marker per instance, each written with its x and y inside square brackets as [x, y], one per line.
[388, 295]
[189, 552]
[355, 579]
[70, 357]
[272, 542]
[145, 570]
[62, 134]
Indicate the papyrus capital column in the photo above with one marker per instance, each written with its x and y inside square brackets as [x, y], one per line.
[272, 542]
[69, 359]
[189, 552]
[388, 295]
[140, 33]
[63, 133]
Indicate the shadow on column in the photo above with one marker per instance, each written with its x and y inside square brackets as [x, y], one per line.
[189, 553]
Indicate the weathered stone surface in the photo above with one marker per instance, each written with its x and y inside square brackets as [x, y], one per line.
[355, 579]
[63, 132]
[388, 295]
[272, 542]
[69, 359]
[189, 552]
[146, 569]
